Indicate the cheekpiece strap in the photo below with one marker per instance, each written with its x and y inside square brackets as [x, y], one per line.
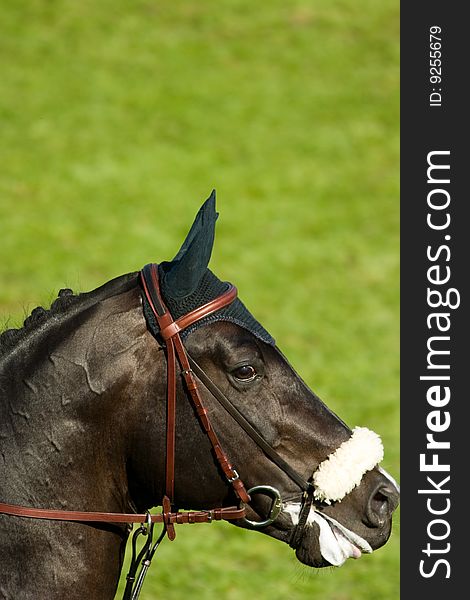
[169, 331]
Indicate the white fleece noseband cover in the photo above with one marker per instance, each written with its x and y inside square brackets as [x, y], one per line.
[343, 470]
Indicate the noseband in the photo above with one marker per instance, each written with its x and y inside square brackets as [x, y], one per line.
[168, 334]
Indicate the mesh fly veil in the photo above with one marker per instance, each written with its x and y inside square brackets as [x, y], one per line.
[187, 283]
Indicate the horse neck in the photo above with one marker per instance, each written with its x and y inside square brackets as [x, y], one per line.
[67, 421]
[61, 394]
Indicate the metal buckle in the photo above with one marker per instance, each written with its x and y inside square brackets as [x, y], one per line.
[146, 527]
[235, 477]
[276, 505]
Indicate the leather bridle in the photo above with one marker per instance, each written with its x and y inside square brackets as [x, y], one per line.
[168, 334]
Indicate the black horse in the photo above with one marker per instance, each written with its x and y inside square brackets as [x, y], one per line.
[83, 416]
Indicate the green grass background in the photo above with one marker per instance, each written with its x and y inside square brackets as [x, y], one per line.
[117, 118]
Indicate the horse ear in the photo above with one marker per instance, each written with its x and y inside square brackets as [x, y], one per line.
[184, 272]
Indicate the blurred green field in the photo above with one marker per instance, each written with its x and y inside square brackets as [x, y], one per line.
[118, 118]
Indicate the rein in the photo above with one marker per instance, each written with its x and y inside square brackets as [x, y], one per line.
[169, 333]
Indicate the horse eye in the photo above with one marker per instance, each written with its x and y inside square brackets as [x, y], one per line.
[244, 373]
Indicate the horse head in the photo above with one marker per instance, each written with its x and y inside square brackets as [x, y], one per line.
[336, 501]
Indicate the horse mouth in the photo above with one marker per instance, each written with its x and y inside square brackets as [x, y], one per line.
[326, 542]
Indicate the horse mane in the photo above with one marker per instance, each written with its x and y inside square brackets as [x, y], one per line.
[39, 315]
[65, 301]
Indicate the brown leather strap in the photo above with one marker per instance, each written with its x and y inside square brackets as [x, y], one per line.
[165, 320]
[166, 516]
[169, 331]
[199, 313]
[247, 427]
[170, 419]
[191, 385]
[206, 516]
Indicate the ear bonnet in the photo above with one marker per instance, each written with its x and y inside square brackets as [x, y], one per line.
[187, 283]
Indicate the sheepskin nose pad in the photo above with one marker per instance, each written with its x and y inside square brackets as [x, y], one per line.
[382, 502]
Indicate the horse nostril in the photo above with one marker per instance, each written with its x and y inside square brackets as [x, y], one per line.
[381, 505]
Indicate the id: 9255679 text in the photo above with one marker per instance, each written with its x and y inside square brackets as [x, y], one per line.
[435, 65]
